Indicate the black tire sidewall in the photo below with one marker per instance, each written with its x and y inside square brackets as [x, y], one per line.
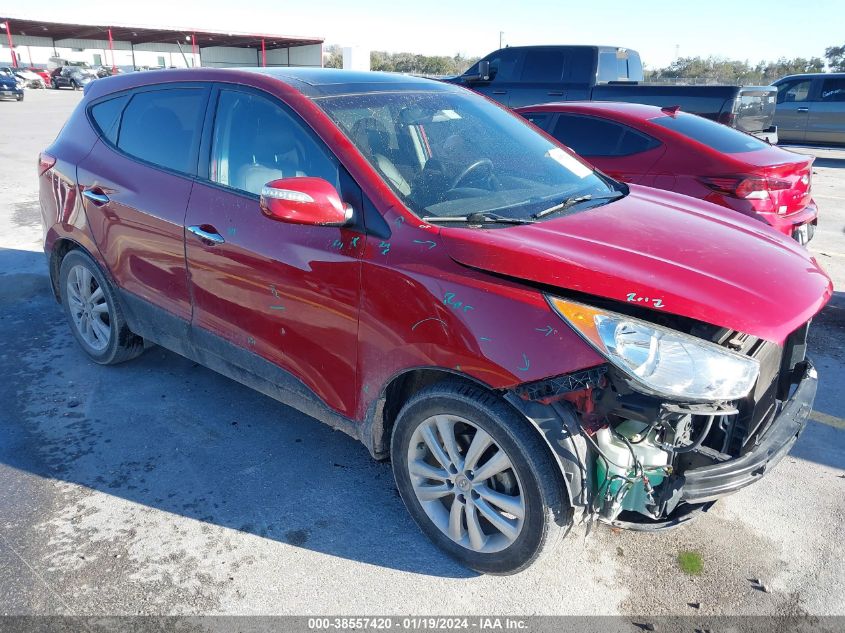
[77, 258]
[531, 539]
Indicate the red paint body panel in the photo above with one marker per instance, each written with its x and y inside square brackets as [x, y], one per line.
[283, 291]
[140, 231]
[346, 312]
[700, 260]
[680, 163]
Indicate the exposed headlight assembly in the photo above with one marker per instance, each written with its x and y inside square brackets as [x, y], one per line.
[660, 360]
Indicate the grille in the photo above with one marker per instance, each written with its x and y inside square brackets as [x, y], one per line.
[777, 374]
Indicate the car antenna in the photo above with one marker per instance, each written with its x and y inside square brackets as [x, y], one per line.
[670, 110]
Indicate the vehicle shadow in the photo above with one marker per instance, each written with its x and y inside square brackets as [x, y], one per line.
[166, 433]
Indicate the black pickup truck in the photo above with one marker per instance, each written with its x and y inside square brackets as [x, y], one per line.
[527, 75]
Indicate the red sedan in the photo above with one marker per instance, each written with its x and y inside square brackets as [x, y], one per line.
[673, 150]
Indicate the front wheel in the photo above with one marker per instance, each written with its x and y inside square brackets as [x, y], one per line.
[478, 479]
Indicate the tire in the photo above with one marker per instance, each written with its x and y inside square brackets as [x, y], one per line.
[20, 97]
[530, 485]
[75, 85]
[108, 340]
[54, 85]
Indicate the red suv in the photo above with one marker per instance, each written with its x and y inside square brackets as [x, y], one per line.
[525, 338]
[685, 153]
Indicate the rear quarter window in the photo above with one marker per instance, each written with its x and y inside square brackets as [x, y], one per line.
[106, 117]
[162, 126]
[714, 135]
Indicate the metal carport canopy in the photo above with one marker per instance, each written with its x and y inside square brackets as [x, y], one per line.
[146, 35]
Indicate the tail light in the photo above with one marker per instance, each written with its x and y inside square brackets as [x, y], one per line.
[45, 162]
[748, 187]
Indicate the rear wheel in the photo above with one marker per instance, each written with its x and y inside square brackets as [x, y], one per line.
[93, 312]
[478, 479]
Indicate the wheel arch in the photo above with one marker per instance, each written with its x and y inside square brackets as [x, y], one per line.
[556, 424]
[60, 248]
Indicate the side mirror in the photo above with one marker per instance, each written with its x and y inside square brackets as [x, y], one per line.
[483, 73]
[304, 200]
[484, 70]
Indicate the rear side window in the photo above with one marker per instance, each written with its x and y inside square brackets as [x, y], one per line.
[591, 136]
[543, 65]
[833, 90]
[163, 126]
[106, 116]
[714, 135]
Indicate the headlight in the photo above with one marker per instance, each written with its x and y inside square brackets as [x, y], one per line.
[661, 360]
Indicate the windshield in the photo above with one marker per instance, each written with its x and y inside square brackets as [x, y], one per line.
[449, 154]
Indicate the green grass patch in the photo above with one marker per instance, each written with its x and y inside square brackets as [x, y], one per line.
[690, 563]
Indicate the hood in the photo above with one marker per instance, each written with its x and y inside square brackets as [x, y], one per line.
[666, 252]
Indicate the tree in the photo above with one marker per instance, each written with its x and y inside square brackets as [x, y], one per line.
[835, 58]
[333, 56]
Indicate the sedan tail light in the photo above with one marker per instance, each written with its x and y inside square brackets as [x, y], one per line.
[45, 162]
[753, 187]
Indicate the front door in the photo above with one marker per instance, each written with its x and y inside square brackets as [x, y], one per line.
[263, 289]
[792, 109]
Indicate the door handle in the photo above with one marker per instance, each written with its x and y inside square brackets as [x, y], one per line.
[211, 236]
[555, 93]
[500, 92]
[96, 196]
[804, 109]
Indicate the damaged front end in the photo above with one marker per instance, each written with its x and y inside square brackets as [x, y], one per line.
[674, 421]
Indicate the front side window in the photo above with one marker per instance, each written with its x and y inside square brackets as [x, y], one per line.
[456, 154]
[255, 141]
[163, 126]
[592, 136]
[833, 90]
[794, 91]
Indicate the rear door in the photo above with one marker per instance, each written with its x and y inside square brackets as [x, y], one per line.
[135, 186]
[618, 150]
[826, 119]
[540, 77]
[793, 107]
[269, 294]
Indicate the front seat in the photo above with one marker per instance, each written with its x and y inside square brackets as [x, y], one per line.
[370, 135]
[274, 156]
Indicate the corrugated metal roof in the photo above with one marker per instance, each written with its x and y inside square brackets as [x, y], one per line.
[145, 35]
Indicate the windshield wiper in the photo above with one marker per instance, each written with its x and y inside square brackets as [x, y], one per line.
[479, 217]
[570, 202]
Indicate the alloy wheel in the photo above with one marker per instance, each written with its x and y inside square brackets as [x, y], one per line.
[89, 309]
[466, 483]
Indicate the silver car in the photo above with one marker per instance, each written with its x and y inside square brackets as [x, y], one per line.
[811, 108]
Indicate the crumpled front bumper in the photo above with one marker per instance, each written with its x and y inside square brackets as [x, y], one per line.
[708, 483]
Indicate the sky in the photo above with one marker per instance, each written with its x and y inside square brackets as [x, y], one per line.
[752, 30]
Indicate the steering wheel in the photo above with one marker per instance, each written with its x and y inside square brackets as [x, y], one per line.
[482, 163]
